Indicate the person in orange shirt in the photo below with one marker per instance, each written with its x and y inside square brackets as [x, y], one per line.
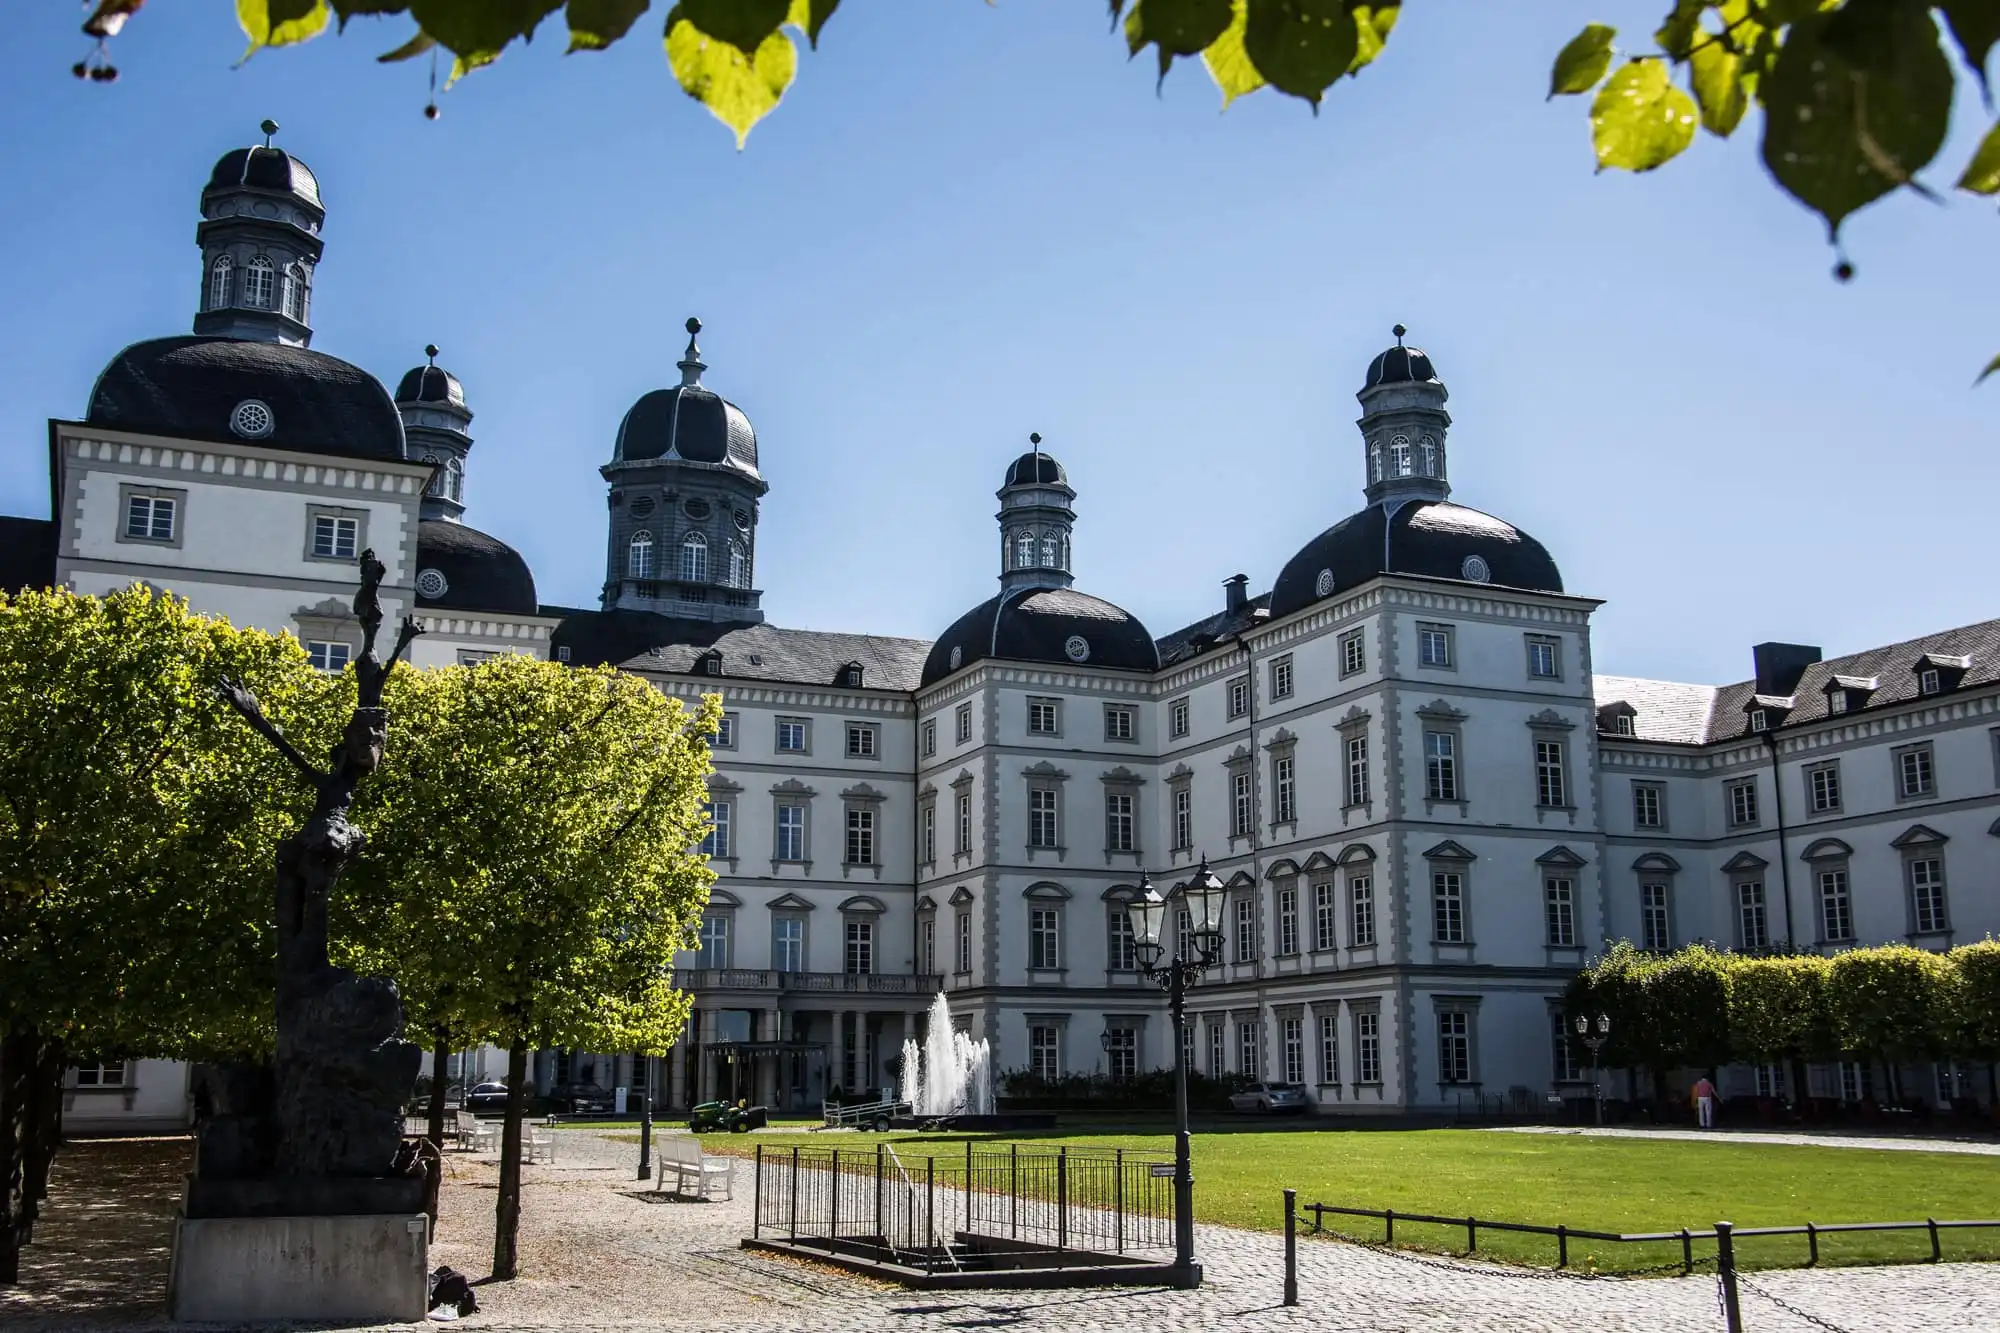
[1704, 1102]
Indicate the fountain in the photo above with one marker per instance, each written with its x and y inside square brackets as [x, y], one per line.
[950, 1073]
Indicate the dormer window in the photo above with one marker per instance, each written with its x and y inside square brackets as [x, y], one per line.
[1836, 701]
[850, 675]
[1622, 724]
[1760, 720]
[1929, 681]
[711, 664]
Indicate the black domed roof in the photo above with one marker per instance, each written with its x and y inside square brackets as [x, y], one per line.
[1432, 539]
[1039, 625]
[1035, 468]
[480, 573]
[687, 421]
[1400, 364]
[266, 169]
[431, 384]
[190, 388]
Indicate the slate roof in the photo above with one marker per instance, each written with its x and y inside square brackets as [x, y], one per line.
[1431, 538]
[1669, 711]
[1041, 625]
[27, 553]
[644, 641]
[1196, 639]
[481, 572]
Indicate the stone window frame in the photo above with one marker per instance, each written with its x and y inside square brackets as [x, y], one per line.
[1047, 896]
[1326, 1040]
[961, 932]
[1808, 775]
[1354, 867]
[927, 739]
[1239, 770]
[1917, 843]
[927, 825]
[1441, 718]
[131, 490]
[723, 907]
[1468, 1007]
[1283, 1019]
[1746, 868]
[727, 732]
[1450, 635]
[1324, 913]
[1285, 877]
[1561, 864]
[1353, 727]
[1658, 791]
[1130, 716]
[1282, 748]
[1117, 904]
[859, 799]
[1122, 781]
[1657, 868]
[964, 830]
[1551, 728]
[1046, 777]
[1829, 858]
[792, 794]
[1928, 752]
[1059, 1025]
[1553, 642]
[1366, 1042]
[1284, 676]
[778, 734]
[1450, 857]
[722, 791]
[791, 907]
[1241, 890]
[962, 724]
[853, 730]
[1180, 801]
[1135, 1024]
[330, 621]
[1178, 711]
[1053, 705]
[1249, 1029]
[316, 512]
[1729, 805]
[1353, 645]
[859, 909]
[1235, 692]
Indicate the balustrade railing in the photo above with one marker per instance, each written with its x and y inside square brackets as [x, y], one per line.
[837, 983]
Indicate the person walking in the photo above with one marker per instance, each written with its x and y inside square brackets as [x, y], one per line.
[1704, 1102]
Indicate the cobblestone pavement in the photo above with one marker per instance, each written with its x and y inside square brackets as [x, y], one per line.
[1985, 1147]
[601, 1252]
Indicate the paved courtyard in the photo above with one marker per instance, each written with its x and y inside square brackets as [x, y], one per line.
[600, 1252]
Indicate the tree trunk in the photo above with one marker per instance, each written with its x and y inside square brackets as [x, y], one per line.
[438, 1058]
[1801, 1087]
[42, 1127]
[507, 1211]
[17, 1065]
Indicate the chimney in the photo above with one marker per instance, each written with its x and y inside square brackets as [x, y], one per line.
[1779, 666]
[1236, 591]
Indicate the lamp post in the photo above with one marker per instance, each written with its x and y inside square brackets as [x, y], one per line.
[1174, 971]
[645, 1116]
[1595, 1038]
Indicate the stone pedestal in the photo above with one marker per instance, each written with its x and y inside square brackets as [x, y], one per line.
[361, 1269]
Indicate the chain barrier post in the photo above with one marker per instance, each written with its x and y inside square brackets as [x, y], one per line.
[1291, 1247]
[1562, 1246]
[795, 1193]
[1937, 1255]
[757, 1193]
[1812, 1245]
[1725, 1270]
[1687, 1252]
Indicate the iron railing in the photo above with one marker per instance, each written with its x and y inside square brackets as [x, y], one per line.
[770, 979]
[933, 1210]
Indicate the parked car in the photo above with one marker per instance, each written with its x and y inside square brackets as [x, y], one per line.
[490, 1098]
[714, 1117]
[581, 1099]
[1271, 1098]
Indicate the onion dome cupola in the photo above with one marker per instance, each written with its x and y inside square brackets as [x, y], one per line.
[1038, 616]
[684, 490]
[260, 241]
[1409, 525]
[438, 427]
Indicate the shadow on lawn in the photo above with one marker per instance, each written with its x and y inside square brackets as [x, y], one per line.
[105, 1239]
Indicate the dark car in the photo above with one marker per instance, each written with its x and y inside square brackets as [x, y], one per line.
[581, 1099]
[488, 1097]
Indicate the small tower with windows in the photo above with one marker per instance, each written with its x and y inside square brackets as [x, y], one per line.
[437, 426]
[260, 240]
[1403, 425]
[1036, 516]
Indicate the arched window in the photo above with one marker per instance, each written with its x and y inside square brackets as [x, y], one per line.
[1049, 550]
[639, 556]
[1024, 549]
[455, 479]
[1399, 456]
[1427, 456]
[218, 282]
[439, 483]
[694, 558]
[257, 283]
[295, 292]
[739, 566]
[1374, 462]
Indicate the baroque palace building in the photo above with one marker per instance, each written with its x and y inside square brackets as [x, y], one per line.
[1428, 808]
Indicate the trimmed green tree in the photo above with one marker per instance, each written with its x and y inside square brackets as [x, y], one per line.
[1893, 1003]
[1778, 1011]
[1976, 1026]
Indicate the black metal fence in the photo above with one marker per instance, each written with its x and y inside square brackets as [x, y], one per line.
[941, 1210]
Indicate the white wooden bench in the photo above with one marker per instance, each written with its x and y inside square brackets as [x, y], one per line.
[694, 1172]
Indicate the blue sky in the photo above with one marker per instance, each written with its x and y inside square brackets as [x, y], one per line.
[968, 222]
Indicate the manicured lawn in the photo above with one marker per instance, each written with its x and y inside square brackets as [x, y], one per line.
[1598, 1184]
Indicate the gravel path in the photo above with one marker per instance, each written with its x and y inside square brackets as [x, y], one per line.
[1982, 1147]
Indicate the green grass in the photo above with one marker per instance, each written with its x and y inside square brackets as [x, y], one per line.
[1597, 1184]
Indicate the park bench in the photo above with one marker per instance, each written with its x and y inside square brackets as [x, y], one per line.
[682, 1155]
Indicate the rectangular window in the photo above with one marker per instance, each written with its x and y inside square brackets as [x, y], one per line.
[1759, 720]
[964, 821]
[1246, 1049]
[860, 959]
[1836, 910]
[1836, 701]
[1743, 803]
[1045, 938]
[1184, 934]
[717, 841]
[713, 950]
[1218, 1051]
[1357, 770]
[1119, 722]
[1915, 775]
[929, 738]
[927, 833]
[792, 734]
[861, 837]
[1246, 930]
[1434, 645]
[1770, 1081]
[1288, 923]
[1454, 1046]
[791, 833]
[1928, 681]
[1326, 915]
[1823, 787]
[334, 536]
[1045, 717]
[1177, 717]
[1857, 1083]
[725, 733]
[1927, 895]
[1187, 1045]
[1045, 1052]
[1448, 907]
[1656, 933]
[1118, 822]
[109, 1074]
[788, 943]
[1122, 1053]
[1123, 955]
[474, 656]
[1551, 781]
[1368, 1047]
[1329, 1048]
[1292, 1041]
[1284, 791]
[1353, 652]
[860, 740]
[1440, 766]
[1281, 678]
[1183, 819]
[1361, 910]
[1544, 657]
[927, 944]
[1043, 829]
[1752, 924]
[1242, 816]
[328, 655]
[1239, 696]
[962, 942]
[963, 723]
[1649, 805]
[150, 518]
[1559, 912]
[1569, 1069]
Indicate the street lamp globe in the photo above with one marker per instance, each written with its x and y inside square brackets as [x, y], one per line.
[1604, 1025]
[1148, 913]
[1204, 896]
[1582, 1025]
